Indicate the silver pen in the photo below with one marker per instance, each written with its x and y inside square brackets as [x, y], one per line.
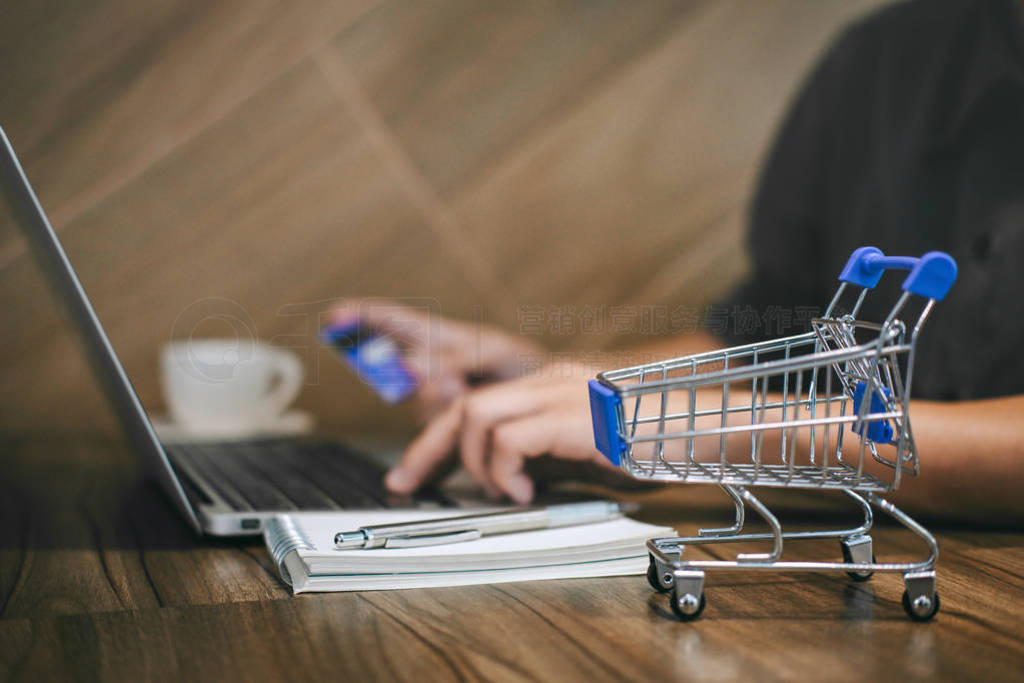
[472, 527]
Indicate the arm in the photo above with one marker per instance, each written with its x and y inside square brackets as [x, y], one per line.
[970, 458]
[970, 451]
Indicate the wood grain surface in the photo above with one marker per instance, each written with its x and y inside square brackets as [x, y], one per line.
[258, 159]
[100, 580]
[262, 158]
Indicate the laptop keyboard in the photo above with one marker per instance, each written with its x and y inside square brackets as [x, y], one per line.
[288, 474]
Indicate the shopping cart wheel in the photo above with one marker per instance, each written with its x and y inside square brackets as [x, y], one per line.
[660, 578]
[857, 550]
[688, 606]
[920, 599]
[864, 575]
[922, 608]
[687, 599]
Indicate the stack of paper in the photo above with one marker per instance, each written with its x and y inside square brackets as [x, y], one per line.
[302, 545]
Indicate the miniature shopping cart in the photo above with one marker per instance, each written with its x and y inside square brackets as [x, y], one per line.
[828, 409]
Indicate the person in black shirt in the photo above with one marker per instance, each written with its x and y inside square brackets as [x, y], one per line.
[908, 136]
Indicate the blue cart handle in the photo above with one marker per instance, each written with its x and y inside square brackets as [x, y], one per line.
[605, 406]
[931, 276]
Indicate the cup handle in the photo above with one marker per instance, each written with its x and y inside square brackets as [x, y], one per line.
[289, 372]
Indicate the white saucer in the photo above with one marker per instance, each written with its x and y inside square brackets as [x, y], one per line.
[292, 423]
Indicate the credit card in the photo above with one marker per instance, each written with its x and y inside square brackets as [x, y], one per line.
[375, 358]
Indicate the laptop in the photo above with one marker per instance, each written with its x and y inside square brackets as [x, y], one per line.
[224, 488]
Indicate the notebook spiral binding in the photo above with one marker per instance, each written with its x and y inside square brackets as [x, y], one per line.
[282, 536]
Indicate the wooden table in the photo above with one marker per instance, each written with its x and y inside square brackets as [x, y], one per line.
[100, 579]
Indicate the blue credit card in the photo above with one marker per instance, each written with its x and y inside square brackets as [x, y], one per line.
[374, 357]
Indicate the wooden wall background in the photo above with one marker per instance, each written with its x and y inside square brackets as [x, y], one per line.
[274, 155]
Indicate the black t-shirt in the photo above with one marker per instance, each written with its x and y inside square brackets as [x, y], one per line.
[908, 136]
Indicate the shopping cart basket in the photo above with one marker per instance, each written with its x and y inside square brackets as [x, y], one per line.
[828, 409]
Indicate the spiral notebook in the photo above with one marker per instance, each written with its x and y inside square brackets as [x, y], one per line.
[302, 547]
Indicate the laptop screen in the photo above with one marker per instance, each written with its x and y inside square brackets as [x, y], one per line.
[61, 277]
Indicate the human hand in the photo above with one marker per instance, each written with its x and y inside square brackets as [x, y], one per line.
[448, 357]
[494, 429]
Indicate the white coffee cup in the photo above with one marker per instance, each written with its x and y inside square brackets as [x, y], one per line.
[228, 386]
